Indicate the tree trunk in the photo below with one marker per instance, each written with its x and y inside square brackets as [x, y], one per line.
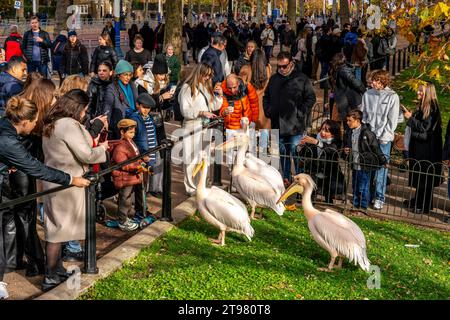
[61, 16]
[199, 7]
[292, 13]
[344, 12]
[334, 10]
[302, 8]
[212, 9]
[174, 25]
[259, 8]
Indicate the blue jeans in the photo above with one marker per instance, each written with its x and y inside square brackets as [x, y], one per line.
[382, 173]
[35, 66]
[288, 146]
[73, 246]
[360, 186]
[268, 51]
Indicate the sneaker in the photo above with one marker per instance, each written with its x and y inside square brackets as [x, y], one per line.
[112, 223]
[3, 292]
[378, 205]
[128, 225]
[69, 256]
[146, 221]
[138, 216]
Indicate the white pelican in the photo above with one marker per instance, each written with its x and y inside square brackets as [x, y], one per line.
[334, 232]
[259, 183]
[219, 208]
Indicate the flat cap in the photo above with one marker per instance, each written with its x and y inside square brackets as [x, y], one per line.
[146, 100]
[126, 123]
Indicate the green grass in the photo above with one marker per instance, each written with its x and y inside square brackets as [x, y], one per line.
[281, 263]
[409, 95]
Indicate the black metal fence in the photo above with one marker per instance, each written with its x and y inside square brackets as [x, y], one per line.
[417, 191]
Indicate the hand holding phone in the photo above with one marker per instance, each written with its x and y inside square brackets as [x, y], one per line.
[404, 109]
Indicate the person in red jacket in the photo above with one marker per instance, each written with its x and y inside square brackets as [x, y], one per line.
[239, 100]
[13, 43]
[126, 178]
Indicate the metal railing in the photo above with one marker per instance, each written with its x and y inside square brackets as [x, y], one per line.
[416, 191]
[90, 259]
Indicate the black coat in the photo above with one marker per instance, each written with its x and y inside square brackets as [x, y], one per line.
[446, 150]
[97, 96]
[288, 102]
[14, 154]
[212, 58]
[370, 155]
[348, 90]
[75, 59]
[101, 54]
[425, 146]
[149, 37]
[28, 42]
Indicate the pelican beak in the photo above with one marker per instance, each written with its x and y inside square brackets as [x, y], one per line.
[293, 188]
[227, 144]
[197, 168]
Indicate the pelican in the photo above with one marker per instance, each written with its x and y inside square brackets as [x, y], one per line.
[334, 232]
[259, 183]
[219, 208]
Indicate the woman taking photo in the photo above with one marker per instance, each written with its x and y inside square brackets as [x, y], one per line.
[20, 119]
[197, 101]
[425, 149]
[67, 146]
[104, 52]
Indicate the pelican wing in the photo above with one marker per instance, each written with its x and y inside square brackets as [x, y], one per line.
[256, 188]
[259, 167]
[342, 234]
[229, 210]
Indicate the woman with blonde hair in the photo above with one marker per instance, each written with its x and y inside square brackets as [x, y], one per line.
[425, 148]
[198, 100]
[71, 82]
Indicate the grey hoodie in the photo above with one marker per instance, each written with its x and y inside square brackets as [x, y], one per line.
[381, 110]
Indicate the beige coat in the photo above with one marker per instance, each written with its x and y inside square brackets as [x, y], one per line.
[69, 149]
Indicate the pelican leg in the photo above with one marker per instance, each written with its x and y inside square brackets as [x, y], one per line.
[341, 259]
[330, 265]
[220, 240]
[252, 214]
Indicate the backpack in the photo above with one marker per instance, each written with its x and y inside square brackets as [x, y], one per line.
[178, 116]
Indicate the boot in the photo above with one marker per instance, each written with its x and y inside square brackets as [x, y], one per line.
[51, 280]
[35, 268]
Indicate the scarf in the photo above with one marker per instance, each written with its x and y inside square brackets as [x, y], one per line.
[322, 143]
[128, 95]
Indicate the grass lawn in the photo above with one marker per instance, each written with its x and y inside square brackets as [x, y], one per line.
[409, 95]
[281, 263]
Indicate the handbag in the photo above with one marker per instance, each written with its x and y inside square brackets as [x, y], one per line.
[205, 120]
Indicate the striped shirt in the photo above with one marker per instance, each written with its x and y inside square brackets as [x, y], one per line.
[151, 137]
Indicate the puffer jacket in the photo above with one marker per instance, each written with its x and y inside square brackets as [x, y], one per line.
[127, 175]
[12, 46]
[9, 86]
[28, 42]
[75, 59]
[100, 54]
[97, 96]
[245, 103]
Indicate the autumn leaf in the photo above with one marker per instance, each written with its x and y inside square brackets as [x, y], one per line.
[441, 8]
[434, 73]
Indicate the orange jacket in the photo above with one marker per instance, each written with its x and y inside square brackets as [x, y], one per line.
[246, 104]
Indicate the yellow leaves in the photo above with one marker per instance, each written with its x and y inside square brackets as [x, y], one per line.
[445, 58]
[410, 37]
[441, 8]
[412, 11]
[424, 14]
[415, 83]
[435, 73]
[447, 67]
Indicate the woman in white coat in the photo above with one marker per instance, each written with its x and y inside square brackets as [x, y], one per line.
[198, 100]
[67, 146]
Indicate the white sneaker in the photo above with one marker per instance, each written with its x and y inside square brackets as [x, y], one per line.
[128, 225]
[378, 205]
[3, 292]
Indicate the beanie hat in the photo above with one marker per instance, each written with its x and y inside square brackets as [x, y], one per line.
[72, 33]
[122, 67]
[160, 64]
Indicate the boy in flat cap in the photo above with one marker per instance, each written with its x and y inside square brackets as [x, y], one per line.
[147, 137]
[129, 176]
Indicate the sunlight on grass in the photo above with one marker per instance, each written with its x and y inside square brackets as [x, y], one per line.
[281, 263]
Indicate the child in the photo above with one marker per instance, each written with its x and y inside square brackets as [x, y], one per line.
[367, 157]
[147, 137]
[129, 176]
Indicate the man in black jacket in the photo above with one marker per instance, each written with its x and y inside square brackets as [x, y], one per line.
[35, 45]
[212, 57]
[288, 101]
[75, 58]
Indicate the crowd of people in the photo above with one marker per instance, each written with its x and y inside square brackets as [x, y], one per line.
[107, 110]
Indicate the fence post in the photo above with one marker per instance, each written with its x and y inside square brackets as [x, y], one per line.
[408, 56]
[399, 61]
[217, 174]
[167, 180]
[393, 63]
[325, 100]
[404, 57]
[388, 62]
[90, 245]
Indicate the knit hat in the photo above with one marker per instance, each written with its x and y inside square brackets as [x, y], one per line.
[126, 123]
[72, 33]
[160, 64]
[123, 66]
[146, 100]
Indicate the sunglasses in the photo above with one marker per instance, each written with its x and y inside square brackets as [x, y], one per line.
[284, 66]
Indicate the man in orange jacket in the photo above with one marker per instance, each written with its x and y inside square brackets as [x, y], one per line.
[239, 100]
